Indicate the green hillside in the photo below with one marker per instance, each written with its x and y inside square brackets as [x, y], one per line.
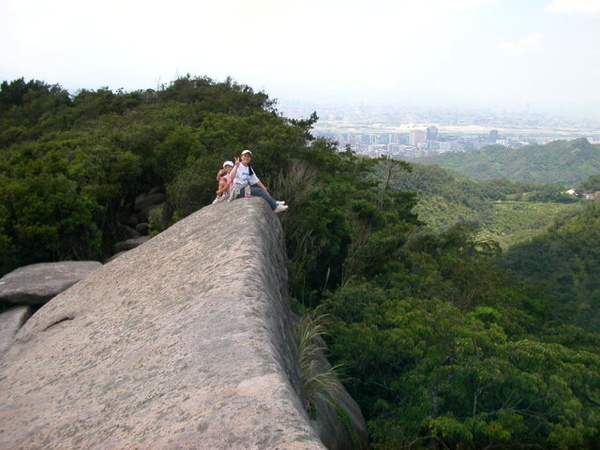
[505, 211]
[513, 222]
[561, 162]
[565, 261]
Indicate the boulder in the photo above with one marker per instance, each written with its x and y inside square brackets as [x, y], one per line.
[116, 255]
[143, 228]
[192, 349]
[10, 322]
[128, 218]
[129, 244]
[36, 284]
[128, 232]
[143, 202]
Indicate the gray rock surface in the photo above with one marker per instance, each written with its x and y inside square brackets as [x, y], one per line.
[129, 244]
[185, 342]
[38, 283]
[10, 322]
[144, 201]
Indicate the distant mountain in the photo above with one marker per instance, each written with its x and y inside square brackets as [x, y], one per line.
[561, 162]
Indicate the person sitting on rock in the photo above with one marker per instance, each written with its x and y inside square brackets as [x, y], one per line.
[225, 179]
[246, 183]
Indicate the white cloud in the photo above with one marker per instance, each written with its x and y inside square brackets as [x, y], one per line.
[527, 44]
[575, 6]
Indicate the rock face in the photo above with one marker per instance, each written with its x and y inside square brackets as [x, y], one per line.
[37, 283]
[185, 342]
[10, 323]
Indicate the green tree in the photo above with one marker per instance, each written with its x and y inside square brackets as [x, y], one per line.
[48, 220]
[427, 373]
[591, 184]
[564, 263]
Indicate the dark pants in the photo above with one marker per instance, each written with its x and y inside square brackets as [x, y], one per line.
[260, 192]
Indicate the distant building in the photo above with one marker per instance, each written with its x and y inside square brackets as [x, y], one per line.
[592, 195]
[417, 138]
[400, 138]
[432, 133]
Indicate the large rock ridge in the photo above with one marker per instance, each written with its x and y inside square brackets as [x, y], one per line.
[186, 341]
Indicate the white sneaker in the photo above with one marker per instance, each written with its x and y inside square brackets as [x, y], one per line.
[280, 208]
[216, 200]
[280, 202]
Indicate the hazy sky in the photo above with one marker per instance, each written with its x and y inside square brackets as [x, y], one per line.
[439, 52]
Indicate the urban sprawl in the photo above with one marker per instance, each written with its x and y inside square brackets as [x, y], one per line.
[412, 132]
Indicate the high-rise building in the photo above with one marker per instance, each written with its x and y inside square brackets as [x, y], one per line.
[432, 133]
[417, 137]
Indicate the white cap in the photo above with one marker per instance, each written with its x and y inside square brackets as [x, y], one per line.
[227, 163]
[246, 151]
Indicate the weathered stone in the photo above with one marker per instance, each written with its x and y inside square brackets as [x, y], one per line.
[185, 342]
[10, 322]
[128, 218]
[130, 243]
[143, 228]
[36, 284]
[144, 201]
[116, 255]
[128, 232]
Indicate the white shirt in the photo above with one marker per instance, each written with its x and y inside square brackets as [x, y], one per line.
[243, 176]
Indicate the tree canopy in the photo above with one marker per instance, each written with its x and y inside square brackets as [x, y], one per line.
[566, 163]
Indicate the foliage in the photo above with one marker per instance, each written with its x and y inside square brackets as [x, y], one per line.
[342, 227]
[512, 222]
[561, 162]
[319, 379]
[591, 184]
[507, 212]
[27, 110]
[429, 372]
[447, 351]
[455, 262]
[46, 216]
[72, 165]
[565, 263]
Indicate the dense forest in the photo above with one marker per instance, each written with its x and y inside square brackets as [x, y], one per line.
[506, 211]
[445, 337]
[561, 162]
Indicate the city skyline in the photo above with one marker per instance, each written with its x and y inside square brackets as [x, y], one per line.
[397, 131]
[542, 54]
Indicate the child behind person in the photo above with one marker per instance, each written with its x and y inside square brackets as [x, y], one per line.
[225, 179]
